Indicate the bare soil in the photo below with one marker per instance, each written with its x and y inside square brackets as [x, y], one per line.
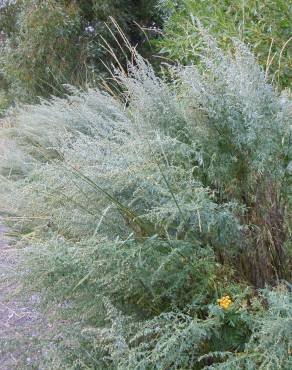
[18, 319]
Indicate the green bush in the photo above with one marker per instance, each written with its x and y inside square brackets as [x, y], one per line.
[136, 214]
[51, 43]
[46, 51]
[264, 25]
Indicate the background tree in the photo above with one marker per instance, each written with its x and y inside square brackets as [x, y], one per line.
[50, 43]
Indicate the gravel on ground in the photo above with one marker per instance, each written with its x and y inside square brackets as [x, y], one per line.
[18, 319]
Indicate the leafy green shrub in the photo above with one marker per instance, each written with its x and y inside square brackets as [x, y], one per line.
[137, 214]
[51, 43]
[46, 51]
[264, 25]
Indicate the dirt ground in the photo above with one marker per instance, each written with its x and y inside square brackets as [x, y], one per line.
[18, 320]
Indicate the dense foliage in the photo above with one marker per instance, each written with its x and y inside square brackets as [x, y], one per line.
[137, 214]
[50, 43]
[263, 24]
[151, 206]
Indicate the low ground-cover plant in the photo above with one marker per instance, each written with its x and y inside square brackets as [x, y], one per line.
[139, 214]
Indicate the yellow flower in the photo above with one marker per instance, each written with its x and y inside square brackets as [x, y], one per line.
[224, 302]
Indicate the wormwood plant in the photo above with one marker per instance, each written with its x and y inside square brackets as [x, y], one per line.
[138, 213]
